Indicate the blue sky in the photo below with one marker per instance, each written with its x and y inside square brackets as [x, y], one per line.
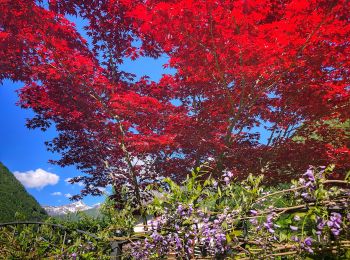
[23, 150]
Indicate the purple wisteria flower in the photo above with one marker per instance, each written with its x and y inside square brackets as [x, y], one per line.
[296, 218]
[139, 252]
[294, 238]
[178, 242]
[320, 225]
[310, 174]
[180, 209]
[254, 221]
[227, 177]
[309, 249]
[212, 234]
[310, 178]
[184, 211]
[190, 209]
[306, 244]
[308, 241]
[269, 224]
[302, 181]
[293, 228]
[220, 240]
[227, 180]
[306, 197]
[334, 223]
[253, 212]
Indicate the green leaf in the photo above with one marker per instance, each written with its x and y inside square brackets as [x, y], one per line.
[237, 233]
[347, 177]
[219, 191]
[228, 238]
[283, 236]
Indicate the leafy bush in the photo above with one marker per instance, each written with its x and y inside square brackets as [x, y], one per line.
[222, 219]
[55, 239]
[225, 219]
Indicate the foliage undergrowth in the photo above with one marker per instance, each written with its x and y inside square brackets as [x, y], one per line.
[225, 219]
[218, 219]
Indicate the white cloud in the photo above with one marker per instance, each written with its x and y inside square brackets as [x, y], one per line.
[68, 195]
[36, 179]
[56, 193]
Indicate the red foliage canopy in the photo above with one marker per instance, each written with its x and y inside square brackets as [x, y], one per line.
[241, 66]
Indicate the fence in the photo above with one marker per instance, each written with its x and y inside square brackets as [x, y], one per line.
[116, 247]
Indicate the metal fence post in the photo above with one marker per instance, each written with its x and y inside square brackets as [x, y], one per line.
[116, 253]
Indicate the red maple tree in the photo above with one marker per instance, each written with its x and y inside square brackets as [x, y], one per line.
[241, 66]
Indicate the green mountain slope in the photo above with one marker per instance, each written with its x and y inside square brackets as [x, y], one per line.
[15, 202]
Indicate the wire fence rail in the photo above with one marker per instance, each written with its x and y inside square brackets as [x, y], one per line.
[116, 243]
[47, 224]
[64, 236]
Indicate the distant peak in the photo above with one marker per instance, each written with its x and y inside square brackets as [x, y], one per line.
[68, 208]
[97, 205]
[78, 203]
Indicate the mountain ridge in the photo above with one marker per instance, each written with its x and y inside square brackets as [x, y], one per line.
[70, 208]
[15, 202]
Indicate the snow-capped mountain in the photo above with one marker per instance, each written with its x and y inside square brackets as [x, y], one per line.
[97, 205]
[65, 209]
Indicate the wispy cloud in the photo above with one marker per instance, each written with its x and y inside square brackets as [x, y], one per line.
[56, 193]
[37, 179]
[68, 195]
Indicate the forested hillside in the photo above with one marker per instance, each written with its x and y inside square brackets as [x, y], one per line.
[15, 201]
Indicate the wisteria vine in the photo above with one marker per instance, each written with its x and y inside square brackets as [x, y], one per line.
[242, 220]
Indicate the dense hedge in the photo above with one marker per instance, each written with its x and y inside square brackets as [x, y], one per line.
[55, 239]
